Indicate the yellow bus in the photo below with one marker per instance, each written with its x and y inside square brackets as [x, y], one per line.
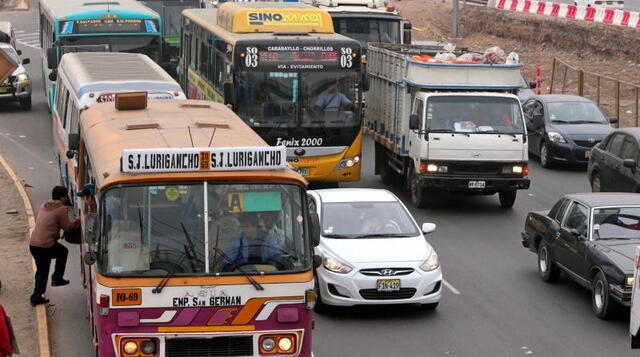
[287, 74]
[199, 239]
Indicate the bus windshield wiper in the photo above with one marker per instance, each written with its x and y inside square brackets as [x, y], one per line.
[243, 272]
[336, 236]
[380, 235]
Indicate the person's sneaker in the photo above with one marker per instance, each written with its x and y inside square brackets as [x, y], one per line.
[40, 301]
[61, 282]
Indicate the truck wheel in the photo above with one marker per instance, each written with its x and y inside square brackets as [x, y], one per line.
[602, 304]
[388, 175]
[418, 193]
[507, 198]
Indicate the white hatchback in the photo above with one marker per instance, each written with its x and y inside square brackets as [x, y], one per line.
[372, 251]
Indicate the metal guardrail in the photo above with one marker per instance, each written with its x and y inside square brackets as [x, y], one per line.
[615, 97]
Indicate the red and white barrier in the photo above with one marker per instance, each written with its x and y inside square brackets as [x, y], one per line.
[583, 13]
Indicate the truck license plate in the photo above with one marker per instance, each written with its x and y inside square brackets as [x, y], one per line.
[388, 285]
[477, 184]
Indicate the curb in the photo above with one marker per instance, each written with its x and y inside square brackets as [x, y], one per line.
[41, 310]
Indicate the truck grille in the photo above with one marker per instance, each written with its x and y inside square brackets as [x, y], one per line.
[475, 168]
[373, 294]
[210, 347]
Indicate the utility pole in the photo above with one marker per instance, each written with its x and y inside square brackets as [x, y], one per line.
[455, 33]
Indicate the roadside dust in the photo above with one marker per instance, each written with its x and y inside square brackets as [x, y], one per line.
[607, 50]
[15, 272]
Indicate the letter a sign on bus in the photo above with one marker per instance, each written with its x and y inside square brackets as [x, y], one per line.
[204, 159]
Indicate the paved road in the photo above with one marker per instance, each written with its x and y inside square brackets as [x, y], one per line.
[501, 309]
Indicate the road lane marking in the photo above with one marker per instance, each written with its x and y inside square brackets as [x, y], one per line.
[450, 287]
[31, 39]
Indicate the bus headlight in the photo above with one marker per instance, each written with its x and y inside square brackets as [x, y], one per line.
[285, 344]
[268, 344]
[148, 347]
[130, 347]
[348, 163]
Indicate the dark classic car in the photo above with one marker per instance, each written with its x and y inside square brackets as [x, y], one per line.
[592, 238]
[615, 162]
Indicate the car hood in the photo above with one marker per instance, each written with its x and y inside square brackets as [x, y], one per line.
[356, 250]
[596, 131]
[621, 252]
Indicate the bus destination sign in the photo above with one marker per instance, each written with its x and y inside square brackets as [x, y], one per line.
[299, 58]
[204, 159]
[109, 25]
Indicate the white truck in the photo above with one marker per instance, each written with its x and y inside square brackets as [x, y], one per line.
[366, 20]
[452, 127]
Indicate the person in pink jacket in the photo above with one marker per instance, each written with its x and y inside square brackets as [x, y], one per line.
[6, 349]
[53, 217]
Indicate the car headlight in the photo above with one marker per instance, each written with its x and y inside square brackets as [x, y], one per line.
[555, 137]
[335, 265]
[348, 163]
[630, 281]
[432, 263]
[22, 77]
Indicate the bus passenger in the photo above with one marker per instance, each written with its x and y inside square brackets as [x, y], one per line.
[53, 216]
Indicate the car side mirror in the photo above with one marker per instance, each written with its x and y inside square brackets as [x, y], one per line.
[19, 52]
[315, 228]
[90, 258]
[533, 85]
[613, 120]
[414, 122]
[26, 61]
[53, 76]
[428, 228]
[52, 58]
[630, 163]
[91, 228]
[574, 232]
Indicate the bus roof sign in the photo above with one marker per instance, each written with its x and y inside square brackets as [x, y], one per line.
[239, 17]
[203, 159]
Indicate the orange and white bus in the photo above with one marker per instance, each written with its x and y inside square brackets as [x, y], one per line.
[200, 241]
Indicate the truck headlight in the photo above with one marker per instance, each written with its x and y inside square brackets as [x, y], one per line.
[348, 162]
[630, 281]
[555, 137]
[336, 266]
[433, 168]
[432, 263]
[516, 169]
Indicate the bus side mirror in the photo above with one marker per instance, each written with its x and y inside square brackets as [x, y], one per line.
[227, 92]
[90, 258]
[52, 60]
[74, 141]
[365, 81]
[26, 61]
[53, 76]
[91, 229]
[19, 52]
[406, 33]
[315, 228]
[414, 122]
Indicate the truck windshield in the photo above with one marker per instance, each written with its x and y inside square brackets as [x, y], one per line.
[474, 114]
[153, 230]
[367, 30]
[280, 106]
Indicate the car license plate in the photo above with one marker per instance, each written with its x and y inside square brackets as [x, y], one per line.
[3, 89]
[388, 285]
[304, 171]
[477, 184]
[587, 154]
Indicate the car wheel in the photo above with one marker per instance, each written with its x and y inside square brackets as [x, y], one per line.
[507, 198]
[548, 270]
[596, 183]
[320, 307]
[418, 193]
[545, 160]
[25, 104]
[429, 307]
[603, 306]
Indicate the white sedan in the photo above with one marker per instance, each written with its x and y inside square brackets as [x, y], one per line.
[372, 251]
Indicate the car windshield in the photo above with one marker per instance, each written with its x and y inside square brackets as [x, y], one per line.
[474, 114]
[366, 220]
[616, 223]
[160, 229]
[575, 113]
[367, 30]
[148, 45]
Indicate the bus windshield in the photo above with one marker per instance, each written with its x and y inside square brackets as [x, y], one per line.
[300, 104]
[366, 30]
[148, 45]
[155, 230]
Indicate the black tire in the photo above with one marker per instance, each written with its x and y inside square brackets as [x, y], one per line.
[549, 272]
[601, 303]
[429, 307]
[25, 104]
[596, 183]
[387, 174]
[320, 307]
[545, 160]
[507, 198]
[418, 193]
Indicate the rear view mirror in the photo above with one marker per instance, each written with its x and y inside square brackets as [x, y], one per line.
[428, 228]
[613, 120]
[406, 33]
[533, 85]
[91, 228]
[26, 61]
[414, 122]
[52, 58]
[53, 76]
[90, 258]
[315, 228]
